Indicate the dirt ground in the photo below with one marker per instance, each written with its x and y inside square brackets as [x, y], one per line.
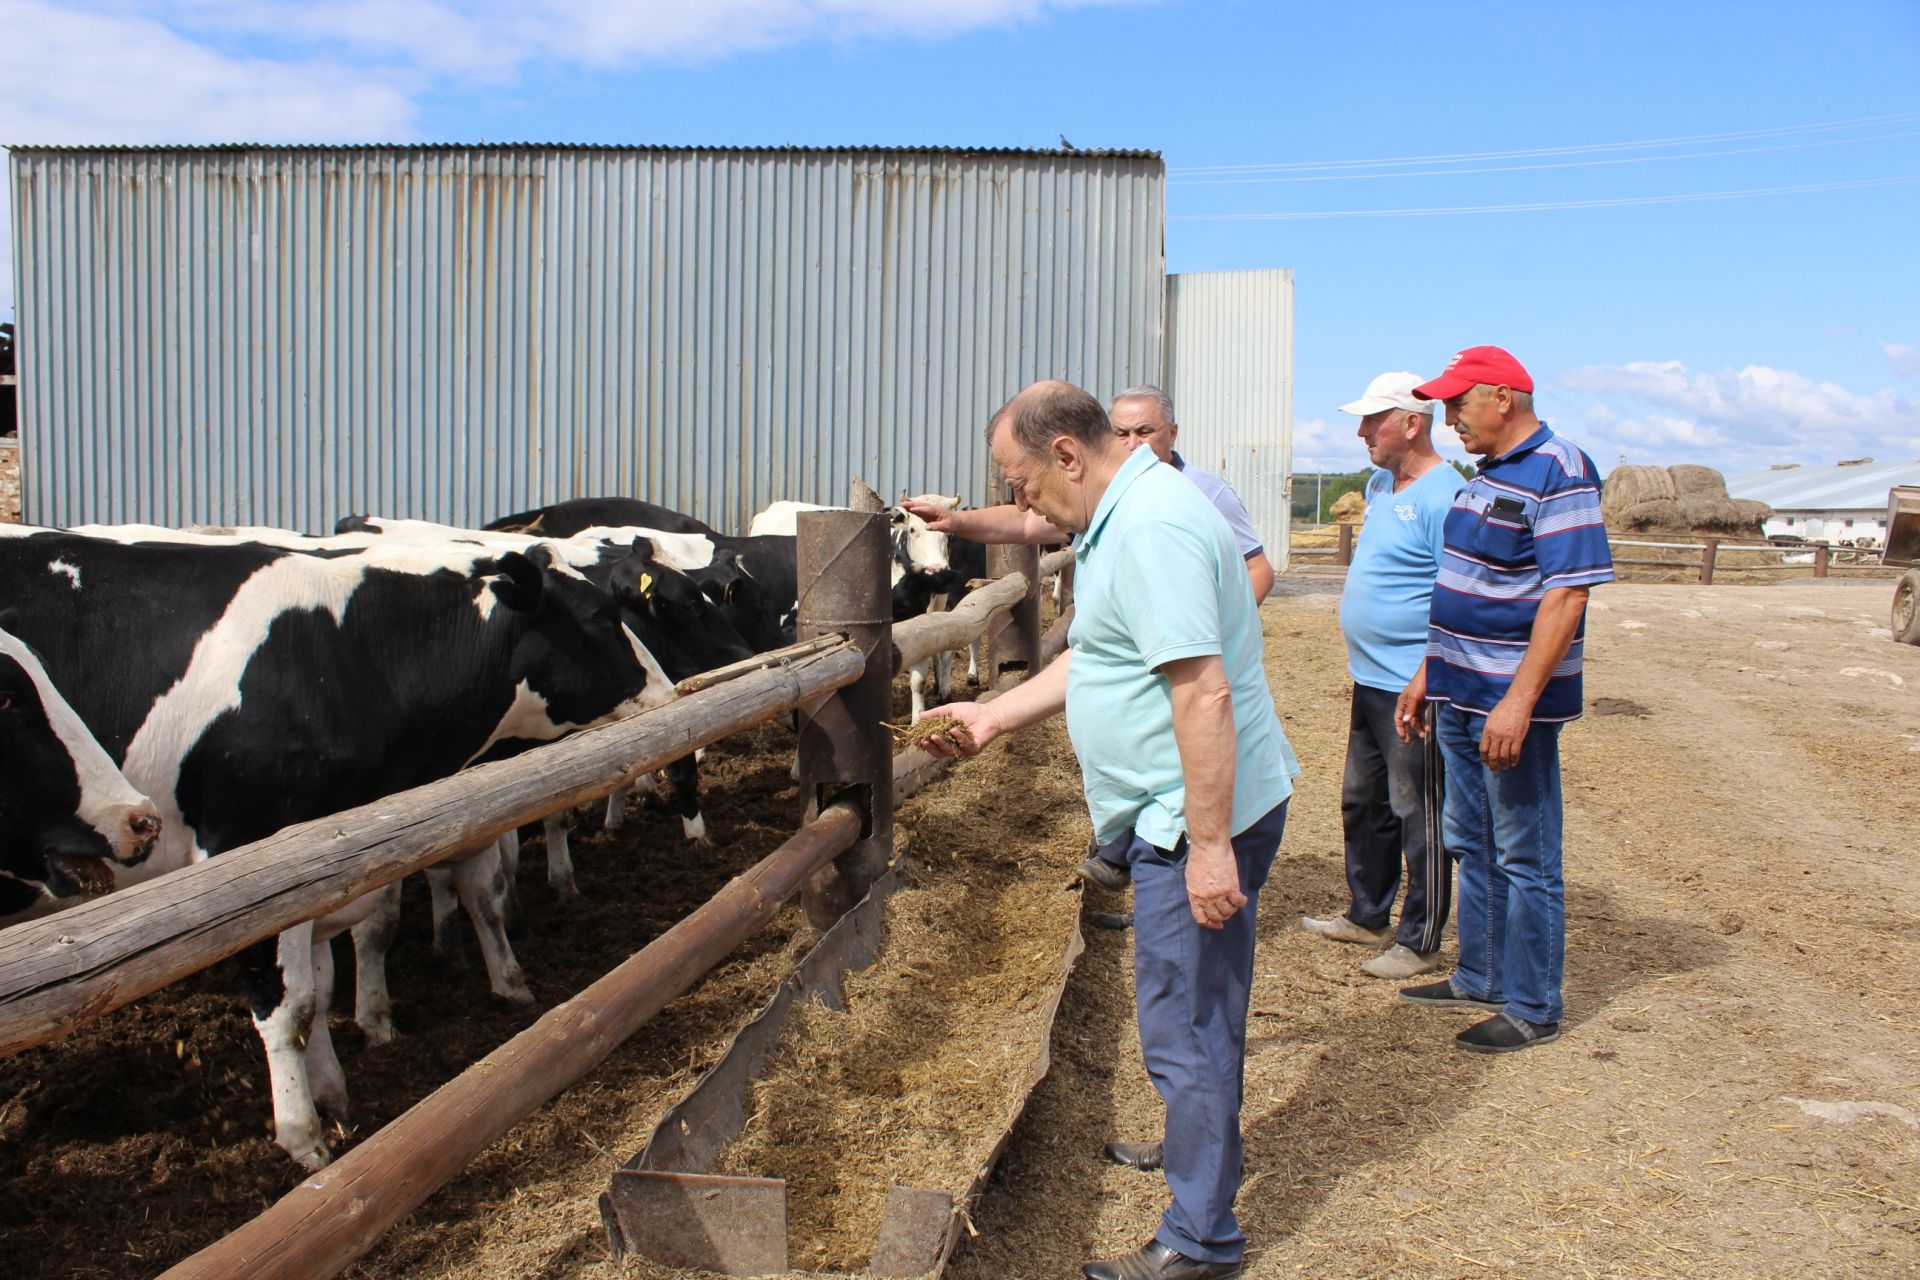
[1737, 1092]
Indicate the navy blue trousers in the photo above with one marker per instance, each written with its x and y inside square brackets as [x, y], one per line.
[1191, 987]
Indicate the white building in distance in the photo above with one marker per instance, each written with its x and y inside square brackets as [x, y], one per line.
[1845, 502]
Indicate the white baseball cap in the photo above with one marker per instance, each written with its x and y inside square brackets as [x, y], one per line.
[1389, 391]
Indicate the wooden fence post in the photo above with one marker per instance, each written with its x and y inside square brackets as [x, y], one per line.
[1346, 543]
[1821, 554]
[1018, 646]
[1709, 550]
[843, 559]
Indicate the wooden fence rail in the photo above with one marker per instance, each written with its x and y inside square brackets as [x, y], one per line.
[1709, 549]
[65, 970]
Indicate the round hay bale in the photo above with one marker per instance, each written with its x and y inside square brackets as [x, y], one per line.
[1693, 481]
[1351, 508]
[1711, 515]
[1629, 486]
[1753, 514]
[1660, 515]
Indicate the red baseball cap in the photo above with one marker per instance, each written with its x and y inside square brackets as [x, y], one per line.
[1470, 368]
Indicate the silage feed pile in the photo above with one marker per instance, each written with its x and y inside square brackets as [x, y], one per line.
[919, 1078]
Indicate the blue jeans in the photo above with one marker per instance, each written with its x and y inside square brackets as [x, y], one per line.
[1191, 987]
[1505, 830]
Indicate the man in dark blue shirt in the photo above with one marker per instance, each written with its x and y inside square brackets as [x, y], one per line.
[1524, 543]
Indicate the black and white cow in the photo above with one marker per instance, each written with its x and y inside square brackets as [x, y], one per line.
[687, 632]
[916, 547]
[754, 580]
[917, 593]
[67, 814]
[245, 687]
[565, 519]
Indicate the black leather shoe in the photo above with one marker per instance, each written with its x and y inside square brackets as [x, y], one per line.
[1157, 1262]
[1144, 1156]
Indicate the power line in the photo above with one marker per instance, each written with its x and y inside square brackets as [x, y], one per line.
[1696, 139]
[1690, 197]
[1527, 168]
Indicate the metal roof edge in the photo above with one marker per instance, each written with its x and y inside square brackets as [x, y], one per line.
[1078, 153]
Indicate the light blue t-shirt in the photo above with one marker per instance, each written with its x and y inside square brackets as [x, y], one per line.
[1226, 502]
[1383, 610]
[1157, 577]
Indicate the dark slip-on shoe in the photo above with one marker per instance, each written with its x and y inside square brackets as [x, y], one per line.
[1504, 1033]
[1144, 1156]
[1157, 1262]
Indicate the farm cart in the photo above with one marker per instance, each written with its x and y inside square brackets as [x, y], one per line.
[1903, 551]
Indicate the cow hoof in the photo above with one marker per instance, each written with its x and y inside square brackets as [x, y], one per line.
[313, 1161]
[565, 890]
[518, 995]
[695, 829]
[379, 1034]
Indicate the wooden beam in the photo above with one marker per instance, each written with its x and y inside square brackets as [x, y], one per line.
[1054, 561]
[918, 639]
[68, 969]
[334, 1217]
[758, 662]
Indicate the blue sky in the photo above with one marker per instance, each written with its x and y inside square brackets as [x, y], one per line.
[1736, 331]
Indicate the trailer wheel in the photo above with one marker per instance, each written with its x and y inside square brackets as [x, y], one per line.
[1906, 608]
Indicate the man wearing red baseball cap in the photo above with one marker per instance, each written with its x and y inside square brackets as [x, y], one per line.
[1524, 543]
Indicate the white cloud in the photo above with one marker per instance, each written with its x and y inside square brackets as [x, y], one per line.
[1737, 418]
[1905, 359]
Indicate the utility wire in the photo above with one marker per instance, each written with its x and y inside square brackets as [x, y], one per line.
[1251, 180]
[1690, 197]
[1740, 135]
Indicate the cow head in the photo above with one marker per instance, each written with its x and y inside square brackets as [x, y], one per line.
[574, 653]
[917, 548]
[680, 624]
[66, 813]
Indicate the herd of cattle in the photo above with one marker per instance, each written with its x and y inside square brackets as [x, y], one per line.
[167, 695]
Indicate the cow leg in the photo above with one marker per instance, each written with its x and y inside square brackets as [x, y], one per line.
[975, 652]
[917, 684]
[617, 809]
[943, 676]
[684, 775]
[481, 885]
[447, 941]
[328, 1081]
[280, 989]
[510, 866]
[372, 939]
[559, 857]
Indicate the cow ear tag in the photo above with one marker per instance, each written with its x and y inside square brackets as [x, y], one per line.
[646, 584]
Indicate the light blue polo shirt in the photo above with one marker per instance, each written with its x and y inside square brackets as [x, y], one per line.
[1158, 576]
[1383, 608]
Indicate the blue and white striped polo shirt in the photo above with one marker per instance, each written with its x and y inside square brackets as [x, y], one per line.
[1500, 561]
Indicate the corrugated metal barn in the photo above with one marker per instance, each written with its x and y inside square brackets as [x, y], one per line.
[282, 335]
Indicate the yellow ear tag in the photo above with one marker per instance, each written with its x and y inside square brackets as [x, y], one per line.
[646, 583]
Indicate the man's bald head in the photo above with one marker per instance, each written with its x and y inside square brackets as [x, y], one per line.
[1045, 411]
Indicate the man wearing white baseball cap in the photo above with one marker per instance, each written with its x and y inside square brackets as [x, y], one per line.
[1391, 799]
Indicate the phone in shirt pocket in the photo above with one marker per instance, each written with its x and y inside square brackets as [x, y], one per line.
[1510, 513]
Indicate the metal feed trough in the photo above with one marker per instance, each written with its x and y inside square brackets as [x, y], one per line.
[1903, 551]
[665, 1205]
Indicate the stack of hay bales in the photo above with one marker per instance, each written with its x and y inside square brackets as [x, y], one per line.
[1685, 499]
[1350, 508]
[1642, 500]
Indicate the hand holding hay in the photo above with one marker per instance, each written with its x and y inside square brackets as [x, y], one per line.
[957, 729]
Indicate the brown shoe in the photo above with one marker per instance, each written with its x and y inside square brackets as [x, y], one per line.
[1401, 962]
[1340, 929]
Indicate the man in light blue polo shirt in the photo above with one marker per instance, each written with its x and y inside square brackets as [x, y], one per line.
[1173, 723]
[1390, 797]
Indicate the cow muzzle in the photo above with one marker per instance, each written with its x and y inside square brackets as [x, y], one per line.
[137, 837]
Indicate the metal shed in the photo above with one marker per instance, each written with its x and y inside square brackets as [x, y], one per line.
[282, 335]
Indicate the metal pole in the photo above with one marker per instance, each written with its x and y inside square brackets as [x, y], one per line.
[845, 750]
[1709, 550]
[1821, 554]
[1346, 544]
[1018, 646]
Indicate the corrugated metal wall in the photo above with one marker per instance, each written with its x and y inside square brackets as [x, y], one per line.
[285, 335]
[1230, 373]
